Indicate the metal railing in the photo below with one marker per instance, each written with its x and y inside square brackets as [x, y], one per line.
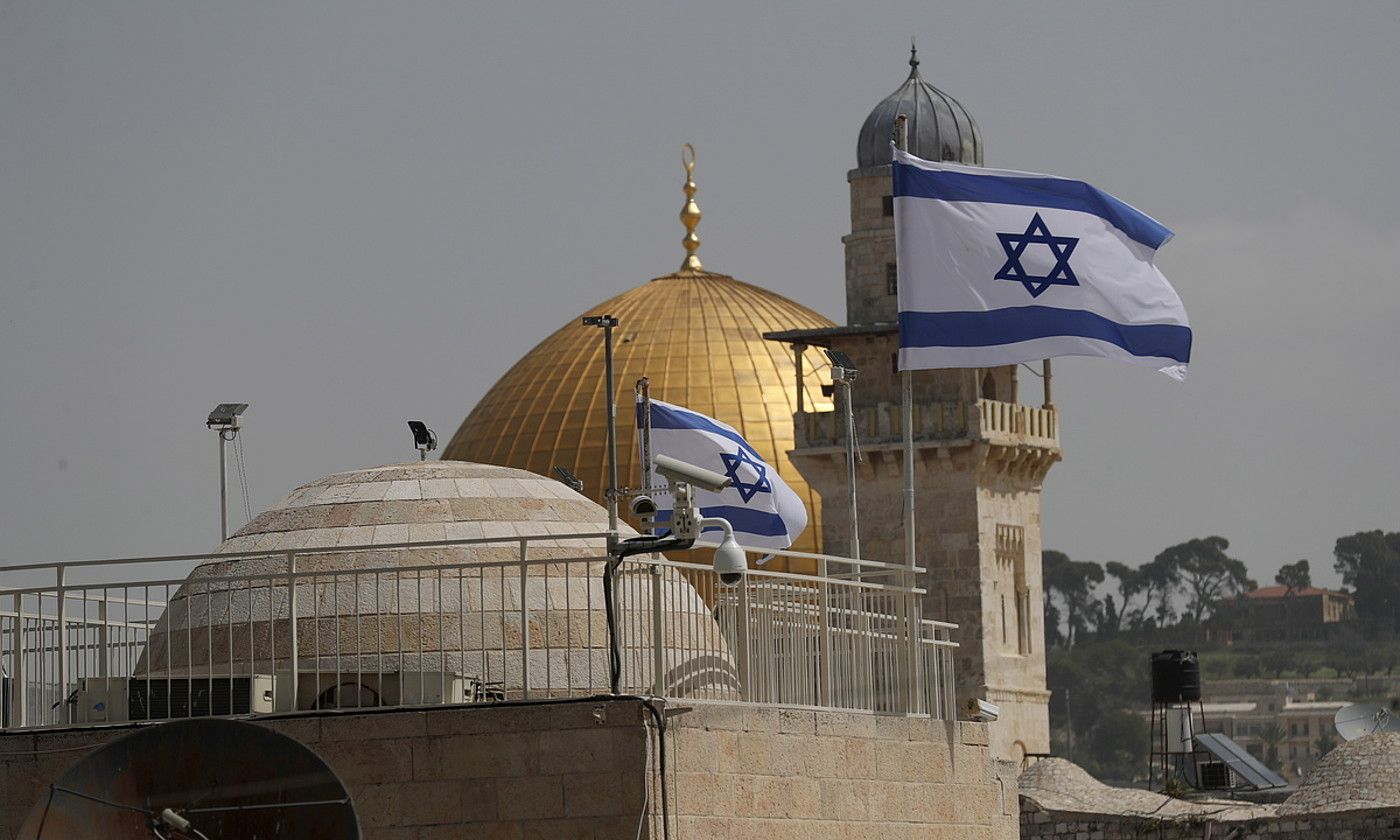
[457, 621]
[881, 424]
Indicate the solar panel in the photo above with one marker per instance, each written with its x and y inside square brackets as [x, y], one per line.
[1246, 766]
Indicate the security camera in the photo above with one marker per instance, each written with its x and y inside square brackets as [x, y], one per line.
[979, 709]
[643, 506]
[730, 561]
[675, 470]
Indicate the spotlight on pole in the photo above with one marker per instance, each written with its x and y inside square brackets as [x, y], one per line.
[224, 420]
[424, 439]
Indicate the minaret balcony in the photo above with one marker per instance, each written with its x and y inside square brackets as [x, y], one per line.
[880, 426]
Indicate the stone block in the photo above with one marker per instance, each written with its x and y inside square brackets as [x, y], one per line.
[363, 727]
[432, 803]
[595, 795]
[478, 800]
[578, 750]
[369, 762]
[379, 806]
[530, 798]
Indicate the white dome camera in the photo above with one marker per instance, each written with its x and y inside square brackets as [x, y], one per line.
[643, 506]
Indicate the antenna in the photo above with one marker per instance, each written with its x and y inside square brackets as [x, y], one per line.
[196, 778]
[1361, 719]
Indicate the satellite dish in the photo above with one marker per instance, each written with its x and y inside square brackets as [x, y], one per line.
[196, 780]
[1361, 719]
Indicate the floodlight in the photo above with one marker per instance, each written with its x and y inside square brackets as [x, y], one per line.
[225, 415]
[570, 480]
[599, 321]
[842, 368]
[424, 439]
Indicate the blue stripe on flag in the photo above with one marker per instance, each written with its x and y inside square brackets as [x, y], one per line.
[745, 521]
[1059, 193]
[663, 417]
[1007, 326]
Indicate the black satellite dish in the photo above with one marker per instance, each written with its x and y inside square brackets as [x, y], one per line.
[196, 780]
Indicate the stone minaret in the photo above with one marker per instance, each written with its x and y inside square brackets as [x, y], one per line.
[981, 457]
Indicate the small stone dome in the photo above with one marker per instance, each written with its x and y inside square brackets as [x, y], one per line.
[940, 128]
[476, 617]
[1364, 773]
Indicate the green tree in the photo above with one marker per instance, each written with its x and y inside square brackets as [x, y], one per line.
[1208, 575]
[1294, 576]
[1116, 749]
[1072, 582]
[1247, 667]
[1144, 594]
[1325, 742]
[1369, 563]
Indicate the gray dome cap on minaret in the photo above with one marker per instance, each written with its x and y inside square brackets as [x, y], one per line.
[940, 128]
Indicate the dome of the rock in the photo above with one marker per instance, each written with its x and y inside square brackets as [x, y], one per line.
[698, 337]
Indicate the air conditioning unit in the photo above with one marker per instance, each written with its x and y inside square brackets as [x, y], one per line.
[1214, 775]
[121, 699]
[351, 690]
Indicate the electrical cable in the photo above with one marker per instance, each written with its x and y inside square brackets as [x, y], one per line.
[661, 749]
[242, 477]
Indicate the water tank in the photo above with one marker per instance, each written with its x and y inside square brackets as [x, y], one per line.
[1176, 677]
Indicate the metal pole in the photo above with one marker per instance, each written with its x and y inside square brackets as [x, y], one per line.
[1046, 376]
[20, 684]
[223, 488]
[797, 351]
[612, 427]
[64, 716]
[644, 413]
[901, 140]
[292, 627]
[851, 469]
[607, 322]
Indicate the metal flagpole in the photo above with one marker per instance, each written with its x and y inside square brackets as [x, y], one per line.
[906, 378]
[644, 409]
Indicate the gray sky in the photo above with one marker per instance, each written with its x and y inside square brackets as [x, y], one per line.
[349, 215]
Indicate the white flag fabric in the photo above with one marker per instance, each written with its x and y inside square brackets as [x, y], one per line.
[999, 267]
[763, 510]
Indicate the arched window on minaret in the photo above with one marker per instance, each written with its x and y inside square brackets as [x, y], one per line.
[989, 387]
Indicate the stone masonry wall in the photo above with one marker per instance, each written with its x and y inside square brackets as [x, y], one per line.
[587, 770]
[548, 771]
[1379, 824]
[755, 773]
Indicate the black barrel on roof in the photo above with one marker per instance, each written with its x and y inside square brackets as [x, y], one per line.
[1176, 677]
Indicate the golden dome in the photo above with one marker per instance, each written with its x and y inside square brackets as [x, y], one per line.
[698, 337]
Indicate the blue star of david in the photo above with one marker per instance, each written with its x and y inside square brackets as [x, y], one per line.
[1014, 244]
[747, 489]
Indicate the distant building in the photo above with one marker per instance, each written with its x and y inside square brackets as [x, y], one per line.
[1305, 729]
[1273, 613]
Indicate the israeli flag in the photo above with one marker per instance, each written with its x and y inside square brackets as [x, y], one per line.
[764, 511]
[999, 267]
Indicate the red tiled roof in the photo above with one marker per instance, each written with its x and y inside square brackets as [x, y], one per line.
[1279, 591]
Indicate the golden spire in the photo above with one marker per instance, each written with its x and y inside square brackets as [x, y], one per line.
[690, 213]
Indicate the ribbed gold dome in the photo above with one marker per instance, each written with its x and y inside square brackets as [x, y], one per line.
[698, 336]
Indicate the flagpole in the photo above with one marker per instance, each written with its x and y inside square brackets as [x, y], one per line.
[906, 412]
[644, 407]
